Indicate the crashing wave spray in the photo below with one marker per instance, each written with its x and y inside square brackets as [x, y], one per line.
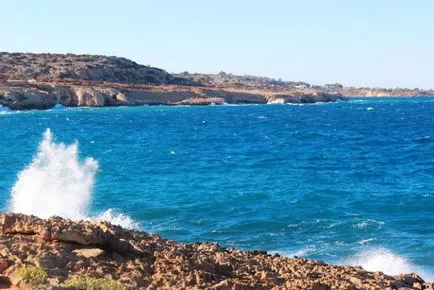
[382, 259]
[56, 182]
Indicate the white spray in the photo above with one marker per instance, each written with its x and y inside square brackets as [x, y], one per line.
[382, 259]
[58, 183]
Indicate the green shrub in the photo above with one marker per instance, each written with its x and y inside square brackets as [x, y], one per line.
[89, 283]
[33, 275]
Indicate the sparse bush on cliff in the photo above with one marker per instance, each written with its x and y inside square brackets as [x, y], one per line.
[89, 283]
[33, 275]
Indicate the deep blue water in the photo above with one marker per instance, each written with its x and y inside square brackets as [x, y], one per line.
[339, 182]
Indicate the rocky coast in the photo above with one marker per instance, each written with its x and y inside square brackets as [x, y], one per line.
[45, 95]
[57, 253]
[41, 81]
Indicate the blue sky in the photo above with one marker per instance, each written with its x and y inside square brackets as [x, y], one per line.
[356, 42]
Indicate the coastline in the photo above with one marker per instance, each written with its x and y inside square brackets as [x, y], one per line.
[41, 81]
[62, 250]
[46, 95]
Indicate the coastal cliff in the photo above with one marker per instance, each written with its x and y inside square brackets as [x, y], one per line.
[382, 92]
[41, 81]
[96, 94]
[61, 254]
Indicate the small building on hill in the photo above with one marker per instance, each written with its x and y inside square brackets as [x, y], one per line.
[333, 86]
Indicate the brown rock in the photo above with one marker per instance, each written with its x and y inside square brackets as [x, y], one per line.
[4, 264]
[356, 281]
[89, 253]
[319, 286]
[138, 260]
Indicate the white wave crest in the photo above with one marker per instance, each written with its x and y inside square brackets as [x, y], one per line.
[276, 101]
[301, 252]
[4, 110]
[384, 260]
[57, 182]
[117, 218]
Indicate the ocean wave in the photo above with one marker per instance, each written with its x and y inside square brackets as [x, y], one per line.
[374, 259]
[366, 241]
[239, 105]
[384, 260]
[302, 252]
[277, 101]
[5, 110]
[369, 223]
[57, 182]
[357, 101]
[58, 107]
[118, 218]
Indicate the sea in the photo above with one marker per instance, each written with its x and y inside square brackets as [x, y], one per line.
[349, 183]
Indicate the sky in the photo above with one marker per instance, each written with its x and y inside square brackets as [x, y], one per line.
[375, 43]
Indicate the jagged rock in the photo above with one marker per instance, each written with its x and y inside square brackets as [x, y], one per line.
[64, 248]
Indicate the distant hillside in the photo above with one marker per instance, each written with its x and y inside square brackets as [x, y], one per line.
[225, 79]
[382, 92]
[49, 67]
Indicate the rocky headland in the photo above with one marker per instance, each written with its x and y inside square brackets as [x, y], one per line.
[41, 81]
[61, 254]
[224, 79]
[382, 92]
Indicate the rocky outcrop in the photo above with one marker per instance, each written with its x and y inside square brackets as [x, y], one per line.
[41, 95]
[50, 67]
[65, 249]
[40, 81]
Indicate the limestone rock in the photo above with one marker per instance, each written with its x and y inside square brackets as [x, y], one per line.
[89, 253]
[47, 95]
[64, 249]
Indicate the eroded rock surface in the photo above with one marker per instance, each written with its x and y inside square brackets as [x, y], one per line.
[146, 261]
[96, 94]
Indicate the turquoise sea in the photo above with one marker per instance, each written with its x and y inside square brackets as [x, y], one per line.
[347, 182]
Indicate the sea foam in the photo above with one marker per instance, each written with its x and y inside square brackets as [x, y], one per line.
[57, 182]
[370, 259]
[386, 261]
[276, 101]
[4, 110]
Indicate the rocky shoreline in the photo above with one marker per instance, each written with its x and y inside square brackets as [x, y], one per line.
[41, 81]
[45, 95]
[61, 254]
